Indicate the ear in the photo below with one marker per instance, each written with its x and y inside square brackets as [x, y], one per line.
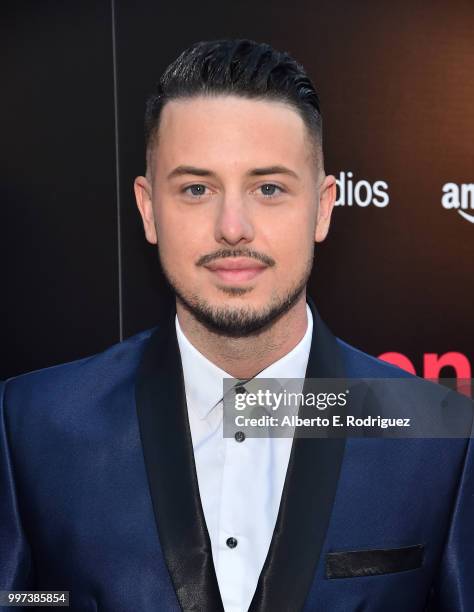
[142, 190]
[327, 198]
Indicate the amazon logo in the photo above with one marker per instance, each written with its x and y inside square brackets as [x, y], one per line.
[460, 198]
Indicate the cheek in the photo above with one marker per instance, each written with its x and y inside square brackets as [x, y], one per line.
[290, 240]
[181, 241]
[288, 223]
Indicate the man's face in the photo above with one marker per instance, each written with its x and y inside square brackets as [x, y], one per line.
[235, 204]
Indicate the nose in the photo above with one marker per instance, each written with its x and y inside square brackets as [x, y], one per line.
[233, 223]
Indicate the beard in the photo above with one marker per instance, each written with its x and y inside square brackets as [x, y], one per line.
[239, 321]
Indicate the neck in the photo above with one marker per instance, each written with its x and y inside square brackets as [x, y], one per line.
[247, 356]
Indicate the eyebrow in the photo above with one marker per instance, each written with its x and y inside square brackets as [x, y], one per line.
[181, 170]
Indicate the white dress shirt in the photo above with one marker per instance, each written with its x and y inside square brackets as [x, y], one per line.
[240, 483]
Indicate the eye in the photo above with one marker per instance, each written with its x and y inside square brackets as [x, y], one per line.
[269, 190]
[195, 190]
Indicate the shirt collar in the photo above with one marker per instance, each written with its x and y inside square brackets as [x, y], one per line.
[203, 380]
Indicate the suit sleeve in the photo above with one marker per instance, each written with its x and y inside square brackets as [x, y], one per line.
[454, 588]
[16, 567]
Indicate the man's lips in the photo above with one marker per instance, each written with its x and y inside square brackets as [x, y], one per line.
[236, 269]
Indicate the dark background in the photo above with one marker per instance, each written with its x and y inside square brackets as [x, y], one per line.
[397, 89]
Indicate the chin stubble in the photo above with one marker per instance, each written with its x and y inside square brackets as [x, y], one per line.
[238, 322]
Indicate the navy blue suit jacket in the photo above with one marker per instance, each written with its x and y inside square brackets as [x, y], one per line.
[99, 497]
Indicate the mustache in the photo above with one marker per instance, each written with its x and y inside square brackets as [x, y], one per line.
[223, 253]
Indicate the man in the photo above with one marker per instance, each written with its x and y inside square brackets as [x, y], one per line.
[116, 481]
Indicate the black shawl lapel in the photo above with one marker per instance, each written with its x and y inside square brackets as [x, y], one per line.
[307, 498]
[169, 460]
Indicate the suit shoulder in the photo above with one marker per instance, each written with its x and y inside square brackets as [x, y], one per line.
[116, 362]
[362, 365]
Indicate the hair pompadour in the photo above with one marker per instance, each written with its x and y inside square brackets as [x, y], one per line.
[238, 67]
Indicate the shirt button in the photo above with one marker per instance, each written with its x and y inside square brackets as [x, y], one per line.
[231, 542]
[240, 389]
[239, 436]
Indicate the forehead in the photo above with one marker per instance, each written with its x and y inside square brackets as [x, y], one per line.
[227, 129]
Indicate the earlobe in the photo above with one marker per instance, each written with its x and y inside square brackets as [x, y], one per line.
[143, 198]
[327, 199]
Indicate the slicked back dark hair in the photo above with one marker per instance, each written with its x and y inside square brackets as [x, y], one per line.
[239, 67]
